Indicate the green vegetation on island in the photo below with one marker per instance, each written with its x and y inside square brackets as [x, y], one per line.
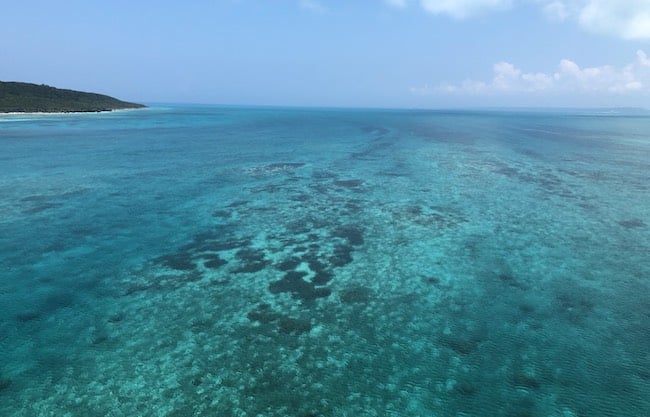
[16, 97]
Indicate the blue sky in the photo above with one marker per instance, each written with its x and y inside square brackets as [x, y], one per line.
[367, 53]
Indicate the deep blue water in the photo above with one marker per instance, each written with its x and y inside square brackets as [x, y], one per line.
[209, 261]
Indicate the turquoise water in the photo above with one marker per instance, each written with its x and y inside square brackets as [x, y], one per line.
[208, 261]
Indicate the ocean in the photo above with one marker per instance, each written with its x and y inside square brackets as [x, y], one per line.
[233, 261]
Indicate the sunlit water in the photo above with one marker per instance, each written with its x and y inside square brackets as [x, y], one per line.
[206, 261]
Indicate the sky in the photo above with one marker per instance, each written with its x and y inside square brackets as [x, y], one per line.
[336, 53]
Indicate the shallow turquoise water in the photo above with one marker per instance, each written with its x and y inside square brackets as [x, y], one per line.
[199, 261]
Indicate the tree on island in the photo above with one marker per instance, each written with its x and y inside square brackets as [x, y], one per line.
[17, 97]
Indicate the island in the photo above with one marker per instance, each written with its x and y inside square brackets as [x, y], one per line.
[18, 97]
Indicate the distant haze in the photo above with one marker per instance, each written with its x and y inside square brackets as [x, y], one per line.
[381, 53]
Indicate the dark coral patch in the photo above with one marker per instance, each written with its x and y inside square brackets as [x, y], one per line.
[238, 203]
[576, 301]
[250, 255]
[526, 308]
[214, 261]
[315, 264]
[250, 268]
[301, 197]
[180, 261]
[99, 339]
[323, 175]
[219, 239]
[41, 207]
[263, 314]
[223, 214]
[319, 293]
[644, 374]
[4, 383]
[275, 168]
[299, 227]
[137, 287]
[213, 234]
[378, 130]
[253, 260]
[28, 316]
[352, 207]
[465, 388]
[353, 234]
[224, 245]
[511, 281]
[356, 295]
[116, 318]
[57, 300]
[632, 223]
[294, 326]
[321, 275]
[460, 345]
[293, 283]
[322, 278]
[430, 280]
[348, 183]
[523, 380]
[414, 210]
[285, 165]
[288, 264]
[311, 258]
[293, 276]
[341, 256]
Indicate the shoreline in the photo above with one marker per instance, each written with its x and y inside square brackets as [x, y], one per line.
[63, 113]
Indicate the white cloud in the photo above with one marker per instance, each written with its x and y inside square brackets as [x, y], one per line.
[568, 78]
[556, 10]
[627, 19]
[461, 9]
[642, 58]
[313, 6]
